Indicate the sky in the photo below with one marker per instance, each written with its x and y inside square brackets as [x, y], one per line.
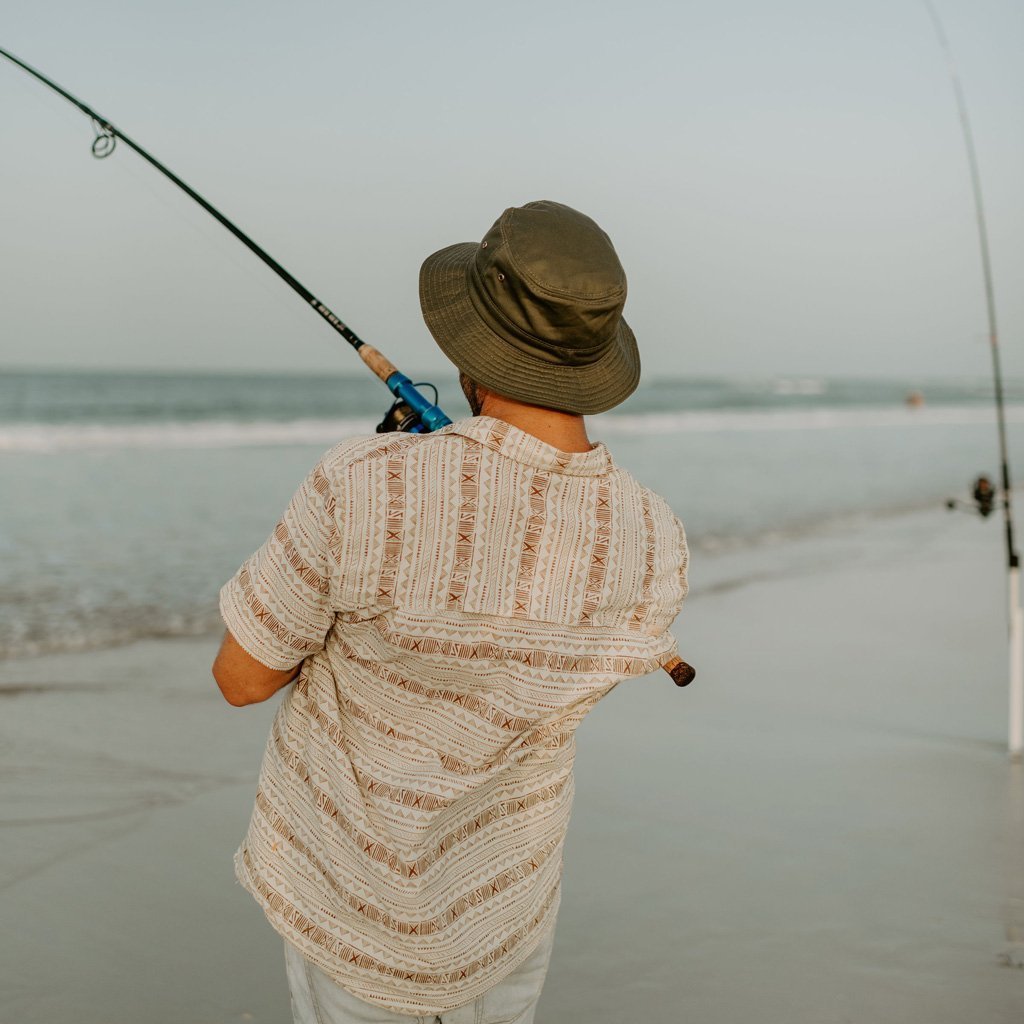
[785, 183]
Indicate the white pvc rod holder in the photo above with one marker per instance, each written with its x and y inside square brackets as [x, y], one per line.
[1016, 668]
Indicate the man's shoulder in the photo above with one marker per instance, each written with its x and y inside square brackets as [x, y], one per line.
[356, 451]
[659, 503]
[650, 498]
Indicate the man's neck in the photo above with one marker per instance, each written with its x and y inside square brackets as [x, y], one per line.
[562, 430]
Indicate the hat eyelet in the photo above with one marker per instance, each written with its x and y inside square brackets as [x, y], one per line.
[483, 245]
[501, 277]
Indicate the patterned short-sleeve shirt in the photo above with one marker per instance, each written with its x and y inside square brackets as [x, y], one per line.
[459, 601]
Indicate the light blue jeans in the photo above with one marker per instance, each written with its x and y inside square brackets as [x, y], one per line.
[318, 999]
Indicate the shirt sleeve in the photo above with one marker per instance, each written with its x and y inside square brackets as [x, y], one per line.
[683, 554]
[677, 590]
[670, 584]
[278, 606]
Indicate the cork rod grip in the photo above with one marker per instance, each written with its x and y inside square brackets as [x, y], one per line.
[681, 673]
[378, 363]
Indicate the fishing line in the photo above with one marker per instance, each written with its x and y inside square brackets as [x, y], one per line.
[1016, 616]
[186, 225]
[410, 412]
[986, 266]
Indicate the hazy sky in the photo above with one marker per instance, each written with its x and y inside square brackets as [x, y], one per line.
[785, 182]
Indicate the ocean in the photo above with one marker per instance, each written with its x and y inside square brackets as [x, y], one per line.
[129, 498]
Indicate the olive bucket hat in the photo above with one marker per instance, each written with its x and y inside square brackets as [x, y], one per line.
[534, 311]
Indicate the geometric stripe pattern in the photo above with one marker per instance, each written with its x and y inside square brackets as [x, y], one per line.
[459, 602]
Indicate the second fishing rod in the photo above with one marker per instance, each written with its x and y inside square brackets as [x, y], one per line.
[411, 410]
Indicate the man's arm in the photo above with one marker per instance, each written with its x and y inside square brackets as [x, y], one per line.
[244, 680]
[278, 607]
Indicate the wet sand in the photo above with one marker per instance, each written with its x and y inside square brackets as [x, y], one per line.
[823, 828]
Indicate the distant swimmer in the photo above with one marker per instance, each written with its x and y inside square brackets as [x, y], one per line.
[914, 399]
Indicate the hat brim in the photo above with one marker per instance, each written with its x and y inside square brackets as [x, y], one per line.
[489, 360]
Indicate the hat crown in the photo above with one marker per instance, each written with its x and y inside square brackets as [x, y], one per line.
[550, 275]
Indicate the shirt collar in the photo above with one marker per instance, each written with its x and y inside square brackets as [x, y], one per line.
[516, 444]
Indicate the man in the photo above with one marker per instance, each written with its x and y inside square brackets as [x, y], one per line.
[449, 607]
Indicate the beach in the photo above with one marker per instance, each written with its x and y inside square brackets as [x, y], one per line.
[824, 827]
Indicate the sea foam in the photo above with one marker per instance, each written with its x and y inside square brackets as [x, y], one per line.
[43, 438]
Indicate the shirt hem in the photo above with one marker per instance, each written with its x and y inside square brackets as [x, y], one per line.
[289, 935]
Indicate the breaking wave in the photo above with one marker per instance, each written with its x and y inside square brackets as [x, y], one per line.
[42, 438]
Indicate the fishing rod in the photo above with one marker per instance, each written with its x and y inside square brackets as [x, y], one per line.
[410, 412]
[1016, 616]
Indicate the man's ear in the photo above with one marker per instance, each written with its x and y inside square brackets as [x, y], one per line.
[476, 394]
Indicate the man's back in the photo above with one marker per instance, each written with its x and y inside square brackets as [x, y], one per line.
[462, 601]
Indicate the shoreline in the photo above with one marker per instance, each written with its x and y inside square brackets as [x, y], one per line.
[823, 827]
[770, 553]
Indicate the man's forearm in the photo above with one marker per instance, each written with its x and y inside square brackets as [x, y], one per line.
[242, 679]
